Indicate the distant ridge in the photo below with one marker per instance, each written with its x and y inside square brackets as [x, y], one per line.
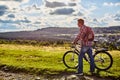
[55, 33]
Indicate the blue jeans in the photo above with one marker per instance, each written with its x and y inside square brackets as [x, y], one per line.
[88, 50]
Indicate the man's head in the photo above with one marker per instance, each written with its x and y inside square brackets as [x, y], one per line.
[80, 22]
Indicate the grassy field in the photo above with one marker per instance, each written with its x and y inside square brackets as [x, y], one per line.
[45, 60]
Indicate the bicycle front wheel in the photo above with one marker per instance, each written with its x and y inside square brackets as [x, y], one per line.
[103, 60]
[70, 59]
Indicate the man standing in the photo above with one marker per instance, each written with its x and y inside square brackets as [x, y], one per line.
[86, 46]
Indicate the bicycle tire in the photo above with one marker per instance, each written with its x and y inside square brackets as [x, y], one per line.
[109, 63]
[71, 62]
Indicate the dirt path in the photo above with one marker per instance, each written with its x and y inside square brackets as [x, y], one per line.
[23, 76]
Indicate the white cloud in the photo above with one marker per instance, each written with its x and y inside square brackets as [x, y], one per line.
[117, 4]
[110, 19]
[111, 4]
[92, 8]
[54, 4]
[60, 7]
[23, 15]
[13, 3]
[63, 11]
[65, 1]
[54, 15]
[89, 11]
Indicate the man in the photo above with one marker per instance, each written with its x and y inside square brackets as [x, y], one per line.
[86, 47]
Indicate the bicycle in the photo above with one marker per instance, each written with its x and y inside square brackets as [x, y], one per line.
[102, 58]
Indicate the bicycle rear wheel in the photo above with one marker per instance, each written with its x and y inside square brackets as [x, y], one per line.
[103, 60]
[70, 59]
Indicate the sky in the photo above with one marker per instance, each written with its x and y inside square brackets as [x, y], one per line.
[25, 15]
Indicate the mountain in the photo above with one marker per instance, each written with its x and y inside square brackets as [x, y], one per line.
[105, 30]
[51, 33]
[54, 33]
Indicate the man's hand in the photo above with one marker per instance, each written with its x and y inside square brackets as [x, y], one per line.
[73, 46]
[74, 43]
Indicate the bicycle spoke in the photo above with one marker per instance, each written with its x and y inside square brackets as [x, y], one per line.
[102, 60]
[71, 59]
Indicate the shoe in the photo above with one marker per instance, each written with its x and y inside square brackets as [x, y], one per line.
[92, 73]
[79, 74]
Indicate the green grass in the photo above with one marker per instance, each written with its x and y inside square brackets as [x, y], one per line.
[45, 60]
[32, 58]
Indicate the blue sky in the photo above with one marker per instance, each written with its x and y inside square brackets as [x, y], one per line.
[24, 15]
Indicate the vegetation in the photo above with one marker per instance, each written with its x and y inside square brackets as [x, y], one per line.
[36, 42]
[113, 45]
[31, 58]
[45, 60]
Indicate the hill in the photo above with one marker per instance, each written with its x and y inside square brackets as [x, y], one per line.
[54, 33]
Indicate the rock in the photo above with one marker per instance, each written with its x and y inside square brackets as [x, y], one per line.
[8, 75]
[75, 77]
[37, 78]
[5, 68]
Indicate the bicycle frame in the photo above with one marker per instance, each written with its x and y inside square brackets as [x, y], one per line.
[101, 57]
[78, 51]
[95, 51]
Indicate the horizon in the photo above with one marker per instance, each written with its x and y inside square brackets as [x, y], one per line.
[55, 27]
[29, 15]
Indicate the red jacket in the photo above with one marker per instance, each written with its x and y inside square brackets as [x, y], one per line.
[81, 36]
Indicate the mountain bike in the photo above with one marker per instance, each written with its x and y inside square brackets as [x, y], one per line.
[102, 58]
